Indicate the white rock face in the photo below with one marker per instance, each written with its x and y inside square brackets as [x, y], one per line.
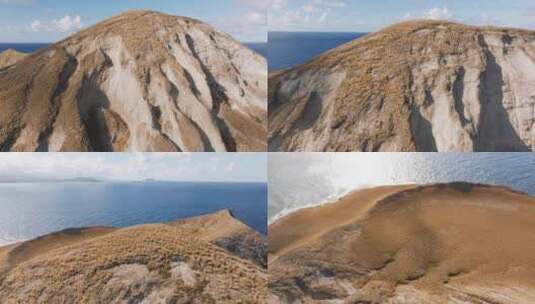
[141, 81]
[417, 86]
[486, 101]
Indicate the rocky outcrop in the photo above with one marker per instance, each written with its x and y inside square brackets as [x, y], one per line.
[141, 81]
[223, 230]
[10, 57]
[445, 243]
[415, 86]
[157, 263]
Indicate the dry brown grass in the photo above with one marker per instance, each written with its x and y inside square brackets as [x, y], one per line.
[441, 242]
[131, 264]
[373, 105]
[61, 89]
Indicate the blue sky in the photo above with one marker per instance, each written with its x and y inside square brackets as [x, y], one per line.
[219, 167]
[371, 15]
[51, 20]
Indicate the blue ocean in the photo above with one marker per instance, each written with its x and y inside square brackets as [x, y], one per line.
[288, 49]
[22, 47]
[28, 210]
[309, 179]
[261, 48]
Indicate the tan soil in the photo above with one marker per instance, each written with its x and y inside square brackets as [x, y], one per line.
[415, 86]
[454, 243]
[158, 263]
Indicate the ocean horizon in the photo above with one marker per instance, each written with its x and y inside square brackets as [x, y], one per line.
[32, 209]
[22, 47]
[259, 47]
[318, 185]
[289, 49]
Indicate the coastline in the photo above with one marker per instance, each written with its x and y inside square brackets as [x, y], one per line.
[332, 199]
[428, 242]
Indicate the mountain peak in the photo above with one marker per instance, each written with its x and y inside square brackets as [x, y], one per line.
[420, 85]
[130, 15]
[226, 212]
[140, 81]
[421, 24]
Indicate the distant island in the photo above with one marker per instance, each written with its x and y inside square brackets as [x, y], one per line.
[83, 180]
[150, 180]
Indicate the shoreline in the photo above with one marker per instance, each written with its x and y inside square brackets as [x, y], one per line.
[329, 200]
[427, 238]
[336, 197]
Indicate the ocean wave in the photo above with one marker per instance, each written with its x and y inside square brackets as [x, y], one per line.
[296, 207]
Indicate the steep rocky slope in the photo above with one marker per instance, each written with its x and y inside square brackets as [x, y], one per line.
[415, 86]
[158, 263]
[140, 81]
[224, 231]
[454, 243]
[10, 57]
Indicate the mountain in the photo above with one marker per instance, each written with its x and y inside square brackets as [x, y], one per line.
[141, 81]
[414, 86]
[10, 57]
[444, 243]
[157, 263]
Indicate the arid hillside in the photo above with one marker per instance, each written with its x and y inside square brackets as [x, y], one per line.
[159, 263]
[141, 81]
[444, 243]
[414, 86]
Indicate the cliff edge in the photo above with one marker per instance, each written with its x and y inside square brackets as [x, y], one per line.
[415, 86]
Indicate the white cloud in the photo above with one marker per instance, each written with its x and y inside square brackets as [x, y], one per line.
[134, 166]
[310, 8]
[323, 17]
[68, 23]
[277, 4]
[331, 3]
[256, 18]
[250, 26]
[314, 13]
[65, 24]
[257, 4]
[436, 13]
[35, 26]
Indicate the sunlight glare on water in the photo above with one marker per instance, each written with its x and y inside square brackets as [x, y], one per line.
[298, 180]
